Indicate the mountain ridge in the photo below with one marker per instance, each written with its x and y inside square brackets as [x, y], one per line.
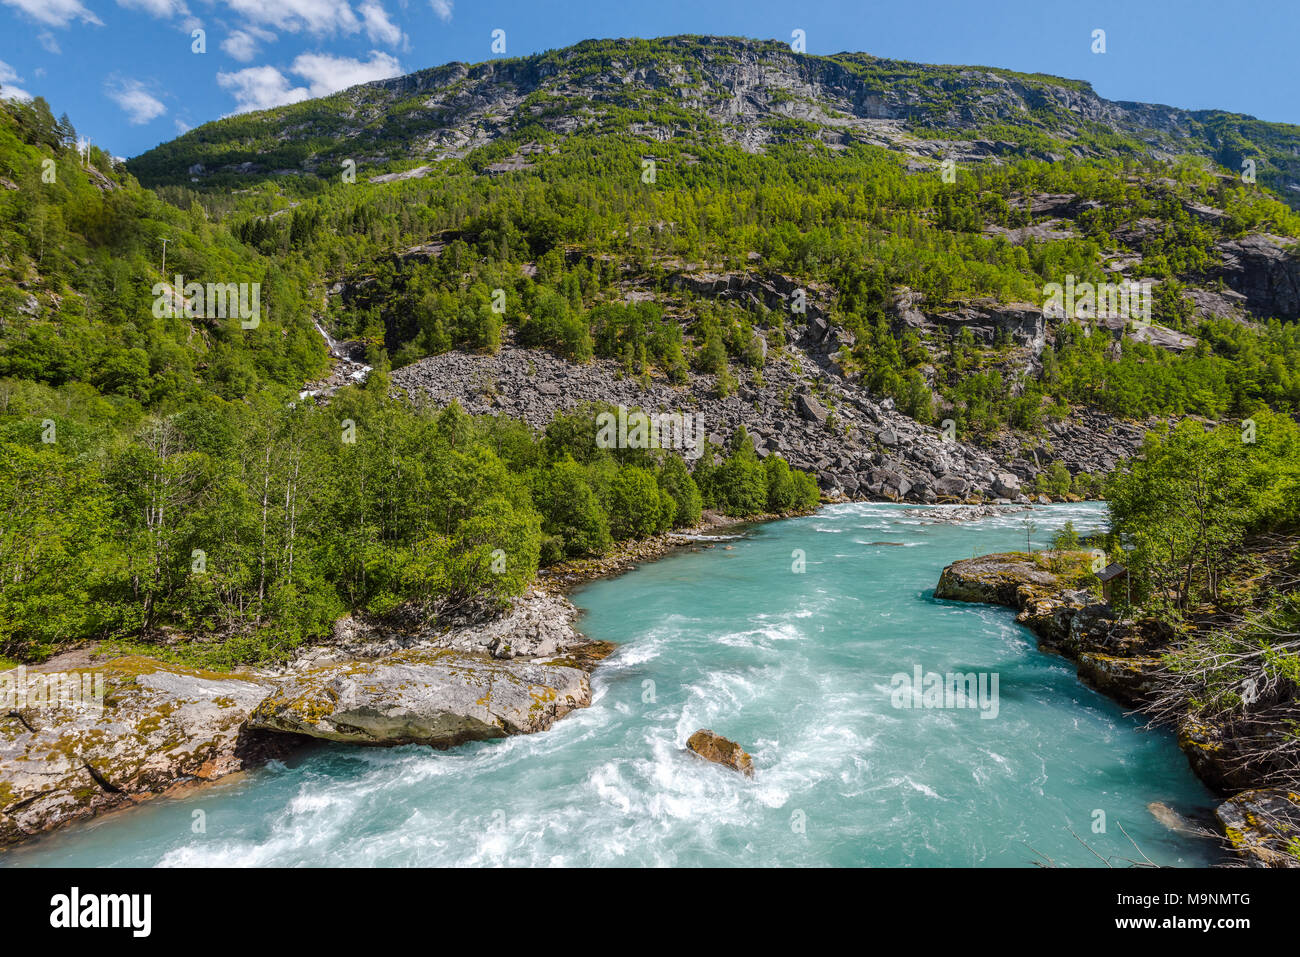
[753, 92]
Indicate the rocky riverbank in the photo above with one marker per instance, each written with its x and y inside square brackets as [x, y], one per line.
[1121, 657]
[474, 673]
[148, 727]
[714, 530]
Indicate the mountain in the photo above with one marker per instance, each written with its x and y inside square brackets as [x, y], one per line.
[824, 278]
[659, 206]
[751, 93]
[773, 245]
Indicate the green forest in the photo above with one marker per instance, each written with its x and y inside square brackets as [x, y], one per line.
[565, 239]
[162, 483]
[162, 480]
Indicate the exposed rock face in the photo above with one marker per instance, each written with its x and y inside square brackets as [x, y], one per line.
[747, 289]
[716, 748]
[739, 87]
[1095, 628]
[1049, 612]
[1216, 304]
[438, 697]
[1212, 755]
[160, 725]
[1022, 322]
[1127, 680]
[1226, 754]
[1266, 270]
[1168, 339]
[1263, 825]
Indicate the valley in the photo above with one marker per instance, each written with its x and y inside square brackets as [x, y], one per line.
[951, 293]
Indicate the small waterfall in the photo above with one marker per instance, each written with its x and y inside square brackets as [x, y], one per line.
[332, 343]
[346, 371]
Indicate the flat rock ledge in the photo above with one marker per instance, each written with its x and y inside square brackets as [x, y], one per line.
[719, 750]
[161, 726]
[1008, 579]
[438, 697]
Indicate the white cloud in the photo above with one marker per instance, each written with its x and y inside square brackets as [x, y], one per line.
[7, 90]
[181, 126]
[329, 74]
[138, 103]
[260, 88]
[379, 28]
[157, 8]
[56, 13]
[442, 8]
[46, 39]
[243, 44]
[314, 16]
[240, 45]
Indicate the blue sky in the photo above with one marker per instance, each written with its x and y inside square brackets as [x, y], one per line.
[126, 73]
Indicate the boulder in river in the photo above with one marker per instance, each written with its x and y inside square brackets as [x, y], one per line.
[440, 697]
[716, 748]
[1171, 819]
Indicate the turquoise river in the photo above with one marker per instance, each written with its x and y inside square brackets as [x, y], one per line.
[797, 666]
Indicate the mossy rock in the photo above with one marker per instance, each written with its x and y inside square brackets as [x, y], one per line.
[1263, 826]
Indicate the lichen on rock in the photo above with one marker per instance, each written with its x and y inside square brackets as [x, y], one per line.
[720, 750]
[439, 697]
[1263, 826]
[160, 725]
